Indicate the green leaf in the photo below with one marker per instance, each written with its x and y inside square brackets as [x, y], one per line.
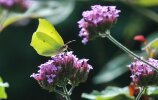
[110, 93]
[113, 69]
[152, 41]
[116, 93]
[54, 11]
[152, 90]
[3, 94]
[146, 3]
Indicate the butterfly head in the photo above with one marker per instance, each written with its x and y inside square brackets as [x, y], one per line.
[65, 47]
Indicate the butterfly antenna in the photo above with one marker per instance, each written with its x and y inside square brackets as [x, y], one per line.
[70, 42]
[69, 49]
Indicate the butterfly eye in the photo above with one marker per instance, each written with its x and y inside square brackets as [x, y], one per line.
[65, 47]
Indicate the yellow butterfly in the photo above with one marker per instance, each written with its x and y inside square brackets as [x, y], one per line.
[46, 40]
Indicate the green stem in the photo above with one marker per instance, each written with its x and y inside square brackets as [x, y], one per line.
[66, 92]
[60, 92]
[140, 93]
[107, 34]
[71, 89]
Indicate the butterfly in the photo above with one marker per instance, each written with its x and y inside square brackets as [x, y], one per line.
[46, 40]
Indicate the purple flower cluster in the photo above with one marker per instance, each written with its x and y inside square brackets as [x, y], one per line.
[142, 74]
[62, 69]
[6, 3]
[97, 20]
[47, 75]
[76, 70]
[21, 5]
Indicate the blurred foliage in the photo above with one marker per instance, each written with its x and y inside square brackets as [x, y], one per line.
[113, 69]
[110, 93]
[50, 10]
[18, 59]
[117, 93]
[3, 94]
[146, 3]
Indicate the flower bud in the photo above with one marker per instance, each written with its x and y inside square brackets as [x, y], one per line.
[81, 69]
[140, 38]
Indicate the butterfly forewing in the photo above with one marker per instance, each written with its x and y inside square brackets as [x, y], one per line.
[47, 28]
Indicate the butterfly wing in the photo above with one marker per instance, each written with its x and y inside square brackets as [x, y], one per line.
[47, 28]
[46, 40]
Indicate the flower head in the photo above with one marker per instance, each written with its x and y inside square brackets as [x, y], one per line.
[97, 20]
[64, 68]
[15, 5]
[142, 74]
[74, 70]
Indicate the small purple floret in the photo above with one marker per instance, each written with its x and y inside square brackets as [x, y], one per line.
[48, 71]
